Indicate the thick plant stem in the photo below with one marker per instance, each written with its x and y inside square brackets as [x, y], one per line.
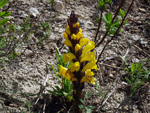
[112, 22]
[77, 94]
[116, 31]
[82, 55]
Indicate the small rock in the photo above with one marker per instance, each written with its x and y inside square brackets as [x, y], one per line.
[1, 106]
[89, 25]
[33, 11]
[93, 2]
[58, 5]
[124, 83]
[143, 42]
[22, 14]
[29, 53]
[135, 37]
[39, 34]
[135, 60]
[111, 75]
[142, 10]
[60, 30]
[109, 58]
[10, 17]
[56, 29]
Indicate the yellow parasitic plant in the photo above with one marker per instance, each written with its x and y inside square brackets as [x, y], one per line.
[82, 55]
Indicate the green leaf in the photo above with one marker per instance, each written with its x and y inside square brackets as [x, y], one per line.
[89, 94]
[125, 21]
[132, 77]
[132, 67]
[104, 17]
[58, 89]
[4, 14]
[108, 1]
[91, 107]
[147, 75]
[81, 107]
[3, 2]
[129, 82]
[65, 94]
[4, 21]
[101, 3]
[70, 98]
[82, 101]
[58, 57]
[109, 17]
[28, 104]
[122, 13]
[52, 92]
[88, 110]
[55, 73]
[127, 69]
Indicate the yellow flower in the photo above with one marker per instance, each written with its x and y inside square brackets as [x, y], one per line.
[68, 57]
[62, 70]
[88, 47]
[77, 47]
[67, 74]
[78, 24]
[79, 35]
[66, 36]
[75, 66]
[74, 25]
[88, 79]
[70, 76]
[68, 43]
[80, 30]
[88, 72]
[90, 56]
[90, 65]
[73, 37]
[83, 41]
[67, 30]
[68, 26]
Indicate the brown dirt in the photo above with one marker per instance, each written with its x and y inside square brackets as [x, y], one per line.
[22, 79]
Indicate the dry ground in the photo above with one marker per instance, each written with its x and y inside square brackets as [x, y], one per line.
[22, 79]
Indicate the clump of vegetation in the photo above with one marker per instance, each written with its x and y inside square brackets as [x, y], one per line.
[66, 87]
[12, 36]
[138, 77]
[78, 64]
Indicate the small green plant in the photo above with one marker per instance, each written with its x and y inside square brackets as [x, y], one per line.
[28, 104]
[102, 3]
[84, 107]
[100, 92]
[52, 2]
[46, 27]
[25, 27]
[12, 36]
[77, 65]
[113, 22]
[66, 86]
[138, 75]
[3, 43]
[111, 25]
[3, 14]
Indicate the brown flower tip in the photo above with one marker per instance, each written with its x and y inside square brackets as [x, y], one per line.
[73, 17]
[73, 23]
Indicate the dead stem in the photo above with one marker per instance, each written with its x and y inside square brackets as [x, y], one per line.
[112, 22]
[115, 32]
